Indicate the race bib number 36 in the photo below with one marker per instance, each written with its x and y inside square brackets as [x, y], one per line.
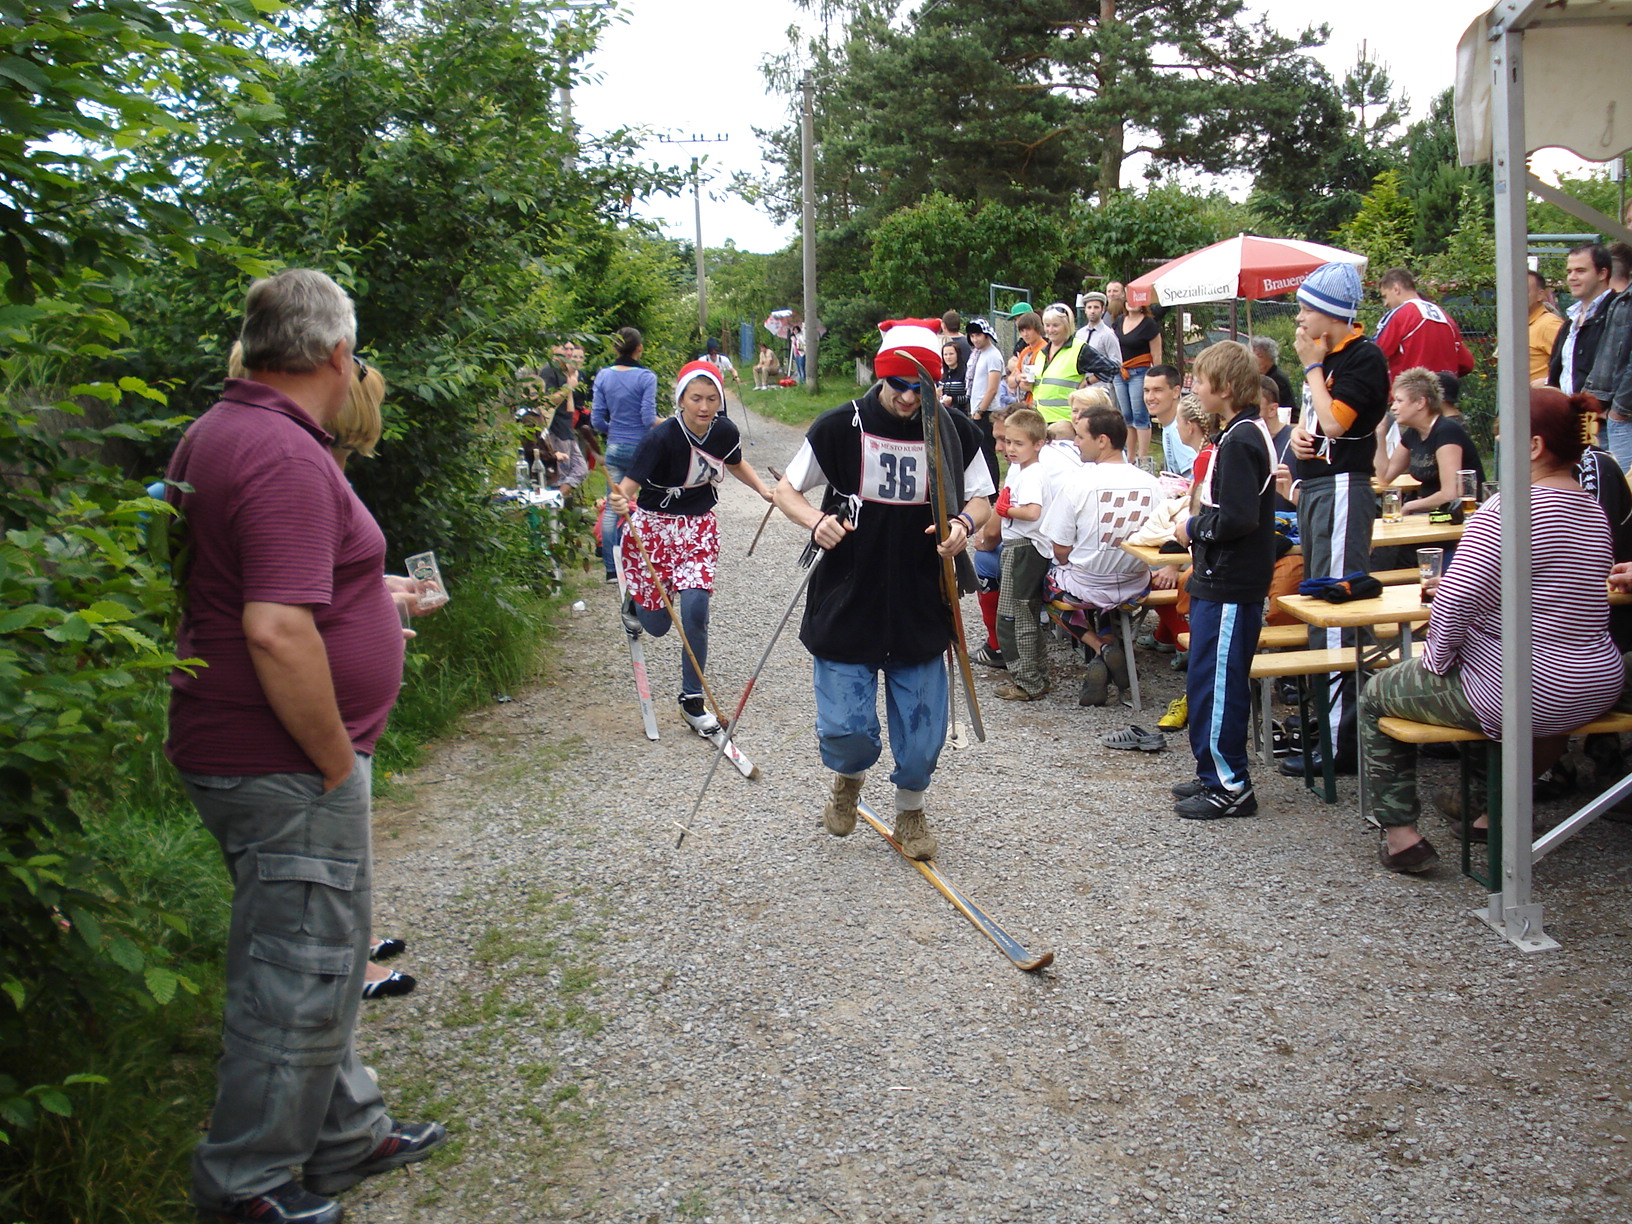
[893, 471]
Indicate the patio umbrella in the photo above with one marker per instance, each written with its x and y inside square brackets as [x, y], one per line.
[1245, 266]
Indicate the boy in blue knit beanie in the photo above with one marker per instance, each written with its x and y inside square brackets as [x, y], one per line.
[1345, 398]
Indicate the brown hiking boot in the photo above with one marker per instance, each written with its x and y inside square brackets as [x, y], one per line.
[912, 832]
[839, 816]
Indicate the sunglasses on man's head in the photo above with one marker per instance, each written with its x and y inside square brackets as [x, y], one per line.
[901, 384]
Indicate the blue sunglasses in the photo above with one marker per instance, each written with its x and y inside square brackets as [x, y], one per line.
[901, 384]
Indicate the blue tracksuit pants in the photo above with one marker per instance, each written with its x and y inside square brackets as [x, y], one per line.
[1223, 638]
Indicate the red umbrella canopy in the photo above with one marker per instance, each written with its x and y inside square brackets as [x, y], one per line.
[1245, 266]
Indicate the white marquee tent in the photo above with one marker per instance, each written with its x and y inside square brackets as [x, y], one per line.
[1534, 74]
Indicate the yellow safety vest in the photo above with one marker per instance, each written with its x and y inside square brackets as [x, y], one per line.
[1051, 395]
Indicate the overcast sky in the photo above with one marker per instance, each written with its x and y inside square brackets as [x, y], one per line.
[669, 71]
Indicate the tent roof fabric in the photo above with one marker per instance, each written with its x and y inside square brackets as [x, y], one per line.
[1578, 92]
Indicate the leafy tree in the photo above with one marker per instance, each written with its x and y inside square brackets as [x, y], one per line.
[942, 252]
[1188, 82]
[1134, 231]
[1434, 180]
[1468, 262]
[86, 90]
[1368, 87]
[1594, 188]
[1381, 230]
[1315, 163]
[419, 157]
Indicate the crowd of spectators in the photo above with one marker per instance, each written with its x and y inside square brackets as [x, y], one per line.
[1108, 443]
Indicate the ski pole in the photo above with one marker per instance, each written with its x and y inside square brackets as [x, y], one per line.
[777, 476]
[807, 562]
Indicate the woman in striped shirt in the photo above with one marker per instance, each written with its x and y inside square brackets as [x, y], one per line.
[1457, 682]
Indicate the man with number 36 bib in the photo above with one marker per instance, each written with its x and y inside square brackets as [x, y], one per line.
[875, 603]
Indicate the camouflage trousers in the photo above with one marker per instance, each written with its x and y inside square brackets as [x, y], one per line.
[1410, 690]
[1019, 605]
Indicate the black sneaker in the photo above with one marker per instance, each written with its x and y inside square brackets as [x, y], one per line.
[1190, 789]
[1216, 802]
[402, 1146]
[987, 657]
[290, 1203]
[631, 622]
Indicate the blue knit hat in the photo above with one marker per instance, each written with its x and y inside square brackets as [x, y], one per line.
[1333, 289]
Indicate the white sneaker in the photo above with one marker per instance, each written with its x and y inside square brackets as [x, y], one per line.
[698, 716]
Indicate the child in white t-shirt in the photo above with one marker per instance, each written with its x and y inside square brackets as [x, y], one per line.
[1026, 493]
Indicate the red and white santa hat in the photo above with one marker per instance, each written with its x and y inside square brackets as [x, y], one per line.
[920, 337]
[698, 369]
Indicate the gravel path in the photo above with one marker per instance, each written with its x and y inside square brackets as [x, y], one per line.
[1246, 1020]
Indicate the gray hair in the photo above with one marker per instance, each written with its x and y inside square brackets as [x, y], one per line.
[293, 320]
[1267, 347]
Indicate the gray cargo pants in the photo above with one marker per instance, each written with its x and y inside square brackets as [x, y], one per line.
[290, 1089]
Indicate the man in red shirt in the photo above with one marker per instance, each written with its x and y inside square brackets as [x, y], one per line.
[287, 603]
[1415, 332]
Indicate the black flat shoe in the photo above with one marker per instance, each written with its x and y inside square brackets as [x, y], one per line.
[1292, 766]
[385, 949]
[396, 984]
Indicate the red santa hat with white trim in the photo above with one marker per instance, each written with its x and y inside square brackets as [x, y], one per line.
[698, 369]
[920, 337]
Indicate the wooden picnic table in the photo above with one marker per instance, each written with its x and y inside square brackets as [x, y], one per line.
[1414, 529]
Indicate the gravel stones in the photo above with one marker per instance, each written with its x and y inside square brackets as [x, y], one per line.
[1246, 1020]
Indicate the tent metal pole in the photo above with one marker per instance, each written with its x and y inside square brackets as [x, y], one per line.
[1511, 912]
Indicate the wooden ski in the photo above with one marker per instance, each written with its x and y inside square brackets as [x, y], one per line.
[1007, 943]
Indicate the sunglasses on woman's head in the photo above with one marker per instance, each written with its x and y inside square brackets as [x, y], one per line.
[362, 367]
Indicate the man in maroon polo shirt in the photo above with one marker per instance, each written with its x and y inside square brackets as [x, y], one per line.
[287, 602]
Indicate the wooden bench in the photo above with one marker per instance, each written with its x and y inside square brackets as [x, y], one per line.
[1301, 664]
[1160, 599]
[1398, 577]
[1271, 637]
[1409, 731]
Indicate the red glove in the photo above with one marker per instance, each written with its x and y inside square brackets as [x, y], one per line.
[1004, 504]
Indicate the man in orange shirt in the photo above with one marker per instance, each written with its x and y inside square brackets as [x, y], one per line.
[1544, 325]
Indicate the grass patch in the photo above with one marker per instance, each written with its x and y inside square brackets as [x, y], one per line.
[797, 406]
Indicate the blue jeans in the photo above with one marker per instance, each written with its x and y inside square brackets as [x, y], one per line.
[694, 620]
[1618, 441]
[1130, 397]
[847, 721]
[618, 457]
[290, 1089]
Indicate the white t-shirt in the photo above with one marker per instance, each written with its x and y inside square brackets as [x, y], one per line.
[1064, 454]
[981, 364]
[1027, 486]
[1096, 511]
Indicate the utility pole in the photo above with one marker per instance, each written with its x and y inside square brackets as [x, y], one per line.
[697, 207]
[807, 159]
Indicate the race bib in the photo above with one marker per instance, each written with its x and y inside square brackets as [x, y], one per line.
[893, 471]
[705, 469]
